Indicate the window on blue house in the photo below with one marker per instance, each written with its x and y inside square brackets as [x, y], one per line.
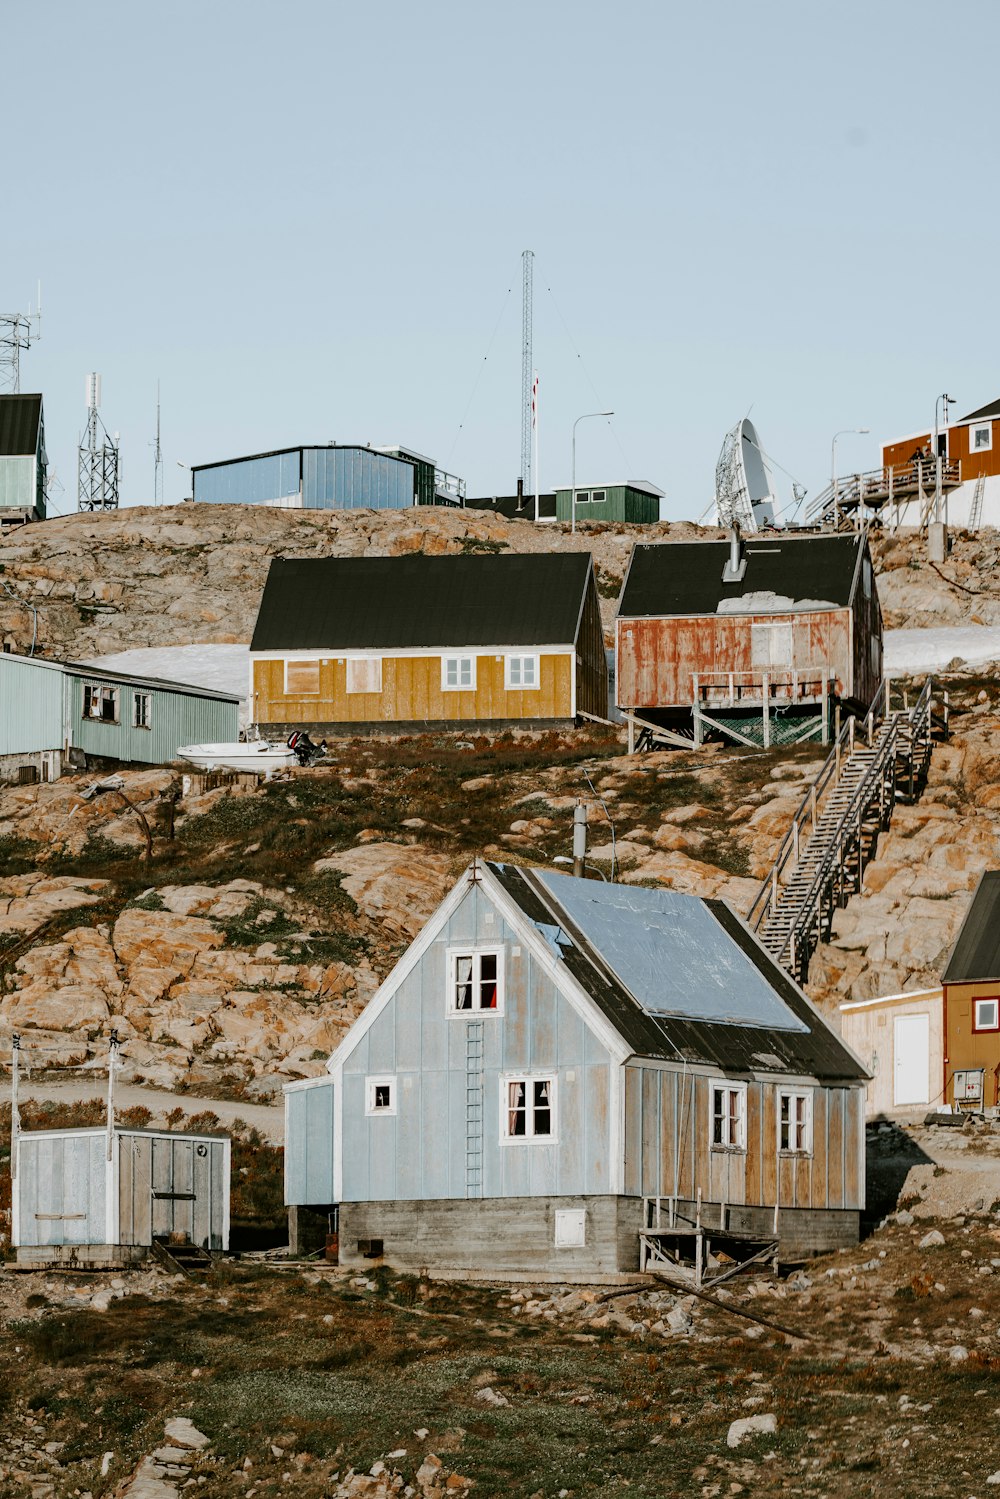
[529, 1108]
[476, 981]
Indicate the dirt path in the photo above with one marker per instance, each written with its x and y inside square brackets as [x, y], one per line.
[268, 1118]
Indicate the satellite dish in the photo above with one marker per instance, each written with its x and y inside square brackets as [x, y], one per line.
[744, 494]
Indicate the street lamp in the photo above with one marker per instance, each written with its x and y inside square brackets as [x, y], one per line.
[844, 431]
[583, 418]
[948, 400]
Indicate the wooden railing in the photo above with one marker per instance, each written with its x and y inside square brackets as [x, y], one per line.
[733, 689]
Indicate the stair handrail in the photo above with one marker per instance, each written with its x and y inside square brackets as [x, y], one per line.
[808, 903]
[791, 845]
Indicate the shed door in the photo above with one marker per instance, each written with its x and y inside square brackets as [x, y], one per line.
[911, 1058]
[172, 1183]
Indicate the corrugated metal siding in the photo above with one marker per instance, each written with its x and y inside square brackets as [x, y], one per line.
[657, 658]
[62, 1189]
[355, 479]
[309, 1146]
[252, 481]
[420, 1153]
[30, 707]
[411, 693]
[17, 483]
[176, 719]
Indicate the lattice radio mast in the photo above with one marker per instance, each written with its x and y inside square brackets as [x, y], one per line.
[157, 456]
[18, 330]
[97, 487]
[527, 367]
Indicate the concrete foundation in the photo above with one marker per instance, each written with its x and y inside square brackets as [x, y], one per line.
[492, 1237]
[82, 1256]
[401, 728]
[937, 541]
[48, 764]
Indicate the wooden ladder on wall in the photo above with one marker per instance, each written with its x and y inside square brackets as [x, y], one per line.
[474, 1108]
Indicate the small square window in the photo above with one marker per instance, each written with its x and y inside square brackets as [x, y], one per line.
[476, 982]
[987, 1015]
[142, 710]
[528, 1108]
[981, 438]
[364, 674]
[729, 1115]
[521, 673]
[458, 673]
[794, 1123]
[380, 1095]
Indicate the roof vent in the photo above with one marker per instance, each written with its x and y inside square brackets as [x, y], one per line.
[737, 564]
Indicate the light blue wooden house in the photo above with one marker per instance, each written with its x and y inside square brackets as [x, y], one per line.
[567, 1077]
[54, 714]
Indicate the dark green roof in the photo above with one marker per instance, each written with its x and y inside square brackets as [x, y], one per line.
[20, 418]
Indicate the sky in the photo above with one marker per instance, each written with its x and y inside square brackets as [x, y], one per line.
[306, 222]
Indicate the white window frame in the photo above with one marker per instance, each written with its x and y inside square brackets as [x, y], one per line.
[143, 720]
[794, 1096]
[368, 661]
[770, 633]
[380, 1080]
[303, 661]
[458, 661]
[476, 953]
[520, 659]
[529, 1079]
[738, 1145]
[100, 688]
[977, 1023]
[598, 496]
[583, 496]
[980, 447]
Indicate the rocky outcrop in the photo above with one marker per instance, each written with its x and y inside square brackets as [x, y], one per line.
[396, 884]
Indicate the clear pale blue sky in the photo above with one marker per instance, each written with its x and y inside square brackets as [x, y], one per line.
[304, 219]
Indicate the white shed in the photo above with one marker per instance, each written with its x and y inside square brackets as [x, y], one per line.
[94, 1196]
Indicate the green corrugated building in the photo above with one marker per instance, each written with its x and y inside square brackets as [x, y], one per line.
[56, 713]
[22, 460]
[637, 502]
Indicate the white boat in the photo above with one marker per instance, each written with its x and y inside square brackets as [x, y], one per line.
[254, 755]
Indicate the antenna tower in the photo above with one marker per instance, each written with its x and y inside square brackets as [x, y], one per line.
[527, 366]
[18, 330]
[97, 487]
[157, 456]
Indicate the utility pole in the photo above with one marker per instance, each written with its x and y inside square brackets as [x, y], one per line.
[579, 839]
[157, 456]
[527, 279]
[112, 1069]
[15, 1117]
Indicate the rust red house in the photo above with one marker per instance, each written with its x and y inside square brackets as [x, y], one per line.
[753, 638]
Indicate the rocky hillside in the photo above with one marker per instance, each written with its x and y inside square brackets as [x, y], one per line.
[193, 574]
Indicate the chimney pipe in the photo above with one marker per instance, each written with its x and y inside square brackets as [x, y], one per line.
[520, 494]
[737, 563]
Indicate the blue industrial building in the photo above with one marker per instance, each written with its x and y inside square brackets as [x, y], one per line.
[334, 477]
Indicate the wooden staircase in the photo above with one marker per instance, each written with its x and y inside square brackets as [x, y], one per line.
[181, 1259]
[835, 832]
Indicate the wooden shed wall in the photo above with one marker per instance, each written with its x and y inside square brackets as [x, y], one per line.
[668, 1145]
[898, 454]
[412, 693]
[966, 1048]
[657, 658]
[973, 464]
[866, 629]
[591, 660]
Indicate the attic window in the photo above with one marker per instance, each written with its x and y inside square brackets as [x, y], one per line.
[476, 981]
[100, 702]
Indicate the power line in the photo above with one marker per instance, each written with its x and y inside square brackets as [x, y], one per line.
[479, 375]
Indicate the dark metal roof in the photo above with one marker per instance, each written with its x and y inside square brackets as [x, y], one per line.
[993, 409]
[976, 954]
[19, 421]
[805, 1046]
[414, 601]
[668, 578]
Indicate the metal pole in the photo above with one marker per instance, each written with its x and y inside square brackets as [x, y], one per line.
[112, 1067]
[15, 1117]
[579, 839]
[572, 498]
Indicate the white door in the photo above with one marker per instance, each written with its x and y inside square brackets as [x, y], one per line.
[911, 1058]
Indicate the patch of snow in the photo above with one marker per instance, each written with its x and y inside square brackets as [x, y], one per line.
[908, 651]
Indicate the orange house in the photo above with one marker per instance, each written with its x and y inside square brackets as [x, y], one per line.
[970, 450]
[971, 985]
[358, 644]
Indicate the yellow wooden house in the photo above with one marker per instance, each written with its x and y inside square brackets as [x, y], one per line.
[356, 644]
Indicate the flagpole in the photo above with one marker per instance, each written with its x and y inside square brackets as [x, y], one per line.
[535, 464]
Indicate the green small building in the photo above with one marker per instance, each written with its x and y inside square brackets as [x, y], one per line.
[636, 502]
[56, 714]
